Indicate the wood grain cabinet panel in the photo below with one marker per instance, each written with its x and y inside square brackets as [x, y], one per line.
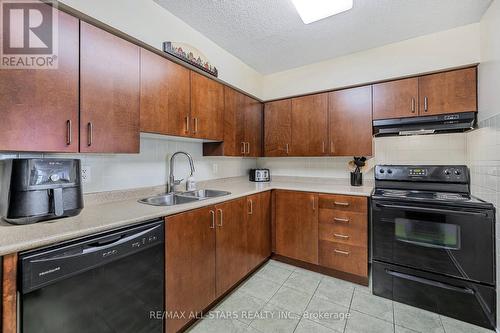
[207, 108]
[309, 125]
[277, 128]
[342, 257]
[165, 96]
[395, 99]
[9, 293]
[190, 263]
[39, 108]
[343, 202]
[254, 123]
[109, 92]
[350, 117]
[231, 244]
[259, 228]
[448, 92]
[297, 225]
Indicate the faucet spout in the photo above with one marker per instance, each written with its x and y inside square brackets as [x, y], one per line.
[171, 179]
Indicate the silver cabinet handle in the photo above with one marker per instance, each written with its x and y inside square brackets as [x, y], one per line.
[346, 253]
[212, 225]
[250, 212]
[69, 132]
[426, 104]
[313, 204]
[220, 221]
[90, 130]
[187, 124]
[287, 148]
[340, 236]
[195, 120]
[324, 148]
[332, 150]
[248, 146]
[243, 148]
[338, 219]
[337, 203]
[413, 105]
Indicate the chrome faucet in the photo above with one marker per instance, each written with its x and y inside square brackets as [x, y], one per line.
[172, 182]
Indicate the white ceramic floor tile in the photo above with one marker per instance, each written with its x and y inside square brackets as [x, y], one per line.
[336, 291]
[331, 315]
[372, 305]
[281, 265]
[303, 282]
[274, 319]
[401, 329]
[274, 273]
[362, 323]
[241, 305]
[308, 326]
[291, 299]
[417, 319]
[452, 325]
[219, 326]
[260, 288]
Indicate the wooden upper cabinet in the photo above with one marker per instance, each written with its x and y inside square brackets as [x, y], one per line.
[109, 92]
[258, 228]
[231, 244]
[165, 96]
[350, 114]
[448, 92]
[39, 108]
[234, 123]
[190, 262]
[297, 225]
[207, 108]
[253, 127]
[395, 99]
[277, 128]
[309, 125]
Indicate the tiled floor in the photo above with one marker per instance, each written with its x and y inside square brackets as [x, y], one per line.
[280, 298]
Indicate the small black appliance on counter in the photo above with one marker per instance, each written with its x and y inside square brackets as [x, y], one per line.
[260, 175]
[35, 190]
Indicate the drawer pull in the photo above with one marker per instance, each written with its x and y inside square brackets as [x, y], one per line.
[346, 253]
[338, 219]
[338, 203]
[341, 236]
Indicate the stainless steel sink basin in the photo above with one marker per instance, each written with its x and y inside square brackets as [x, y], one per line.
[204, 194]
[169, 199]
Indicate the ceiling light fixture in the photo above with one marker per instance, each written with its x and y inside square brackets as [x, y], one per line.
[315, 10]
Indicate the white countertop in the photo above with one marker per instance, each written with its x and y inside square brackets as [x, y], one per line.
[111, 210]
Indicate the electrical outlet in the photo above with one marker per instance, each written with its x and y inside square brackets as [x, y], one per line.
[86, 174]
[215, 168]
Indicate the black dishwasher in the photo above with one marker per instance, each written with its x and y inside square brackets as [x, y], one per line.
[109, 283]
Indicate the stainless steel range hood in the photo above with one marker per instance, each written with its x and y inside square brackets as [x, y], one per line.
[456, 122]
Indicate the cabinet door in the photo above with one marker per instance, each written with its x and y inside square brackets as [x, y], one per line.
[231, 258]
[259, 228]
[297, 225]
[109, 93]
[253, 127]
[309, 125]
[207, 108]
[234, 122]
[165, 96]
[351, 122]
[448, 92]
[277, 127]
[395, 99]
[39, 107]
[190, 263]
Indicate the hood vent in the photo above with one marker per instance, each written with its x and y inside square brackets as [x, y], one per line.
[446, 123]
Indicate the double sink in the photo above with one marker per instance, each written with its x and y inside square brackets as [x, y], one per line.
[178, 198]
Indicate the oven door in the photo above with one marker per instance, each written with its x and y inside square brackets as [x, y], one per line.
[454, 241]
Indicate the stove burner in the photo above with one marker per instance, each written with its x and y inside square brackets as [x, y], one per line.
[424, 195]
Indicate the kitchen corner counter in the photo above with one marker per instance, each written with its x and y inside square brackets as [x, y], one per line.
[110, 210]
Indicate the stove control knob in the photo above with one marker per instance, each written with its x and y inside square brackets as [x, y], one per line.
[447, 172]
[389, 171]
[457, 172]
[382, 170]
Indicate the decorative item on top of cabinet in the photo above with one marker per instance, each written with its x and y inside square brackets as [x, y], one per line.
[207, 108]
[309, 126]
[165, 96]
[277, 128]
[350, 118]
[39, 107]
[191, 55]
[109, 92]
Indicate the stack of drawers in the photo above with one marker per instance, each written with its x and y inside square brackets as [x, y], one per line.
[343, 233]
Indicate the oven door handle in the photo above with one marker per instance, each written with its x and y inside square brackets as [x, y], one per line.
[430, 210]
[430, 282]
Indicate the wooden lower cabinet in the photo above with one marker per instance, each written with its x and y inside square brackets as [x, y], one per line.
[258, 229]
[297, 225]
[190, 264]
[9, 293]
[345, 258]
[231, 241]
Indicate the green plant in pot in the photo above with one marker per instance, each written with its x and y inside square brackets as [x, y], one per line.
[357, 176]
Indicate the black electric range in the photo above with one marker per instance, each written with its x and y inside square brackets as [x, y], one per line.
[433, 243]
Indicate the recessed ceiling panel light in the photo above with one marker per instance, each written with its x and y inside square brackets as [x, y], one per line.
[315, 10]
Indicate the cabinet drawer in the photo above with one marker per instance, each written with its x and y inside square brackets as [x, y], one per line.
[345, 258]
[343, 202]
[344, 234]
[358, 221]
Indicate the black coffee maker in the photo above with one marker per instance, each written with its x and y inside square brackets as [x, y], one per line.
[35, 190]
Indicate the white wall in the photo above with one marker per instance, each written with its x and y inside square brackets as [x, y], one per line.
[451, 48]
[153, 24]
